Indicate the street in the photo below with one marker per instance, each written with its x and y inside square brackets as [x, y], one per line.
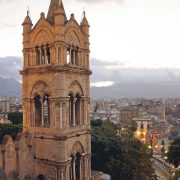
[161, 171]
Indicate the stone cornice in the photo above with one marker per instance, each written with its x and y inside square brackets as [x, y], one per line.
[55, 68]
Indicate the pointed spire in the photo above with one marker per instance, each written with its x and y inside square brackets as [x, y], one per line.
[27, 19]
[54, 6]
[84, 21]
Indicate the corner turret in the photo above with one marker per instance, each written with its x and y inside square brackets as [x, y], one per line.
[27, 26]
[85, 29]
[85, 25]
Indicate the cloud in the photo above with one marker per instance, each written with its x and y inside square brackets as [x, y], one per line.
[120, 73]
[10, 66]
[5, 1]
[102, 74]
[6, 25]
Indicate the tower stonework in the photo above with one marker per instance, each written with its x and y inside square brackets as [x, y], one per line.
[56, 95]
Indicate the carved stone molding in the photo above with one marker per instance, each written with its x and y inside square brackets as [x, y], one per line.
[76, 88]
[77, 148]
[40, 88]
[72, 38]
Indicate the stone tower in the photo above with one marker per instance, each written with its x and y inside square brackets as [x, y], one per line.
[56, 94]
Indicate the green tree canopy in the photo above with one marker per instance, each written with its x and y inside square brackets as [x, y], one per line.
[16, 117]
[9, 129]
[174, 152]
[119, 154]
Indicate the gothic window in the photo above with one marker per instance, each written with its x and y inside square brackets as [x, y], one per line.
[38, 111]
[78, 166]
[76, 55]
[142, 126]
[75, 169]
[37, 55]
[77, 109]
[41, 177]
[46, 110]
[72, 54]
[42, 111]
[42, 54]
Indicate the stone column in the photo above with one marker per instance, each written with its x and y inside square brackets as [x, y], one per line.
[85, 112]
[67, 112]
[74, 56]
[80, 114]
[60, 115]
[62, 174]
[40, 55]
[70, 62]
[45, 56]
[57, 51]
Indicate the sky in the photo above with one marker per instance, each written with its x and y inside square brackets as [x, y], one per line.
[132, 34]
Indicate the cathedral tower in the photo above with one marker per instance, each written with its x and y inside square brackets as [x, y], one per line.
[56, 94]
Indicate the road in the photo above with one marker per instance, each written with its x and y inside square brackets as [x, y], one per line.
[161, 171]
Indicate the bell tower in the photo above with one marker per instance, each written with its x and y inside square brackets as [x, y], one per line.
[56, 94]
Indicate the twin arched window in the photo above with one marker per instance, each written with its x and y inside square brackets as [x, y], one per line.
[42, 111]
[42, 54]
[72, 54]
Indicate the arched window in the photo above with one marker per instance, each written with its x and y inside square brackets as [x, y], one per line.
[75, 171]
[37, 55]
[46, 110]
[77, 109]
[42, 111]
[48, 54]
[38, 111]
[76, 168]
[72, 54]
[42, 54]
[41, 177]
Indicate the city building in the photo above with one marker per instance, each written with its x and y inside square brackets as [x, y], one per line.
[127, 114]
[143, 126]
[56, 141]
[4, 106]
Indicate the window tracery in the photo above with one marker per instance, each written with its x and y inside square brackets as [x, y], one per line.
[41, 104]
[72, 54]
[43, 54]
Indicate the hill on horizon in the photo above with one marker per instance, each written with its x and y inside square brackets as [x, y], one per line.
[9, 87]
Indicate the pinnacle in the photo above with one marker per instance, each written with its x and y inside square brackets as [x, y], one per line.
[55, 5]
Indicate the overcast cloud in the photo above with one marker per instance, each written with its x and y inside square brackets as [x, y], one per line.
[10, 67]
[103, 72]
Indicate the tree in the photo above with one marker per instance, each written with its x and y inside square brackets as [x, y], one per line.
[16, 117]
[9, 129]
[120, 155]
[174, 152]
